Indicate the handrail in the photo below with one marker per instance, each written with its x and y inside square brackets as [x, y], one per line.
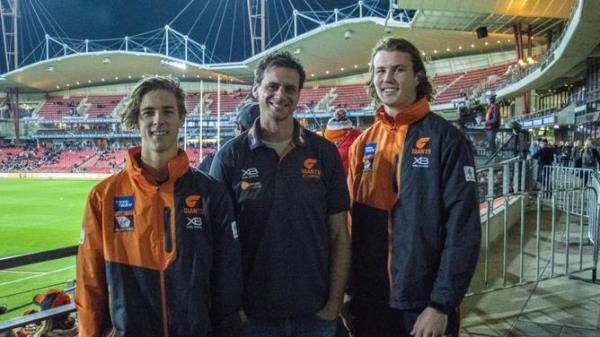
[25, 259]
[36, 317]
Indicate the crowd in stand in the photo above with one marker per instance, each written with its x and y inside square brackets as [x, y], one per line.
[28, 159]
[31, 158]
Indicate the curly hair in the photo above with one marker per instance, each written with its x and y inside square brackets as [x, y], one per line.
[131, 113]
[391, 44]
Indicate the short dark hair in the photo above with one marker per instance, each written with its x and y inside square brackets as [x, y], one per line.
[390, 44]
[279, 59]
[131, 113]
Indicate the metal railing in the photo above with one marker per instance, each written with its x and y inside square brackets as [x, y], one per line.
[26, 259]
[534, 232]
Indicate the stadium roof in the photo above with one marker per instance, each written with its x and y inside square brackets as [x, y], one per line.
[440, 29]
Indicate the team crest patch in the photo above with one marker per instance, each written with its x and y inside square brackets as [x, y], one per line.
[123, 223]
[309, 170]
[123, 203]
[421, 147]
[367, 165]
[191, 205]
[470, 173]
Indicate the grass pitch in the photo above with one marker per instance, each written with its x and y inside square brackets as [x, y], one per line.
[38, 215]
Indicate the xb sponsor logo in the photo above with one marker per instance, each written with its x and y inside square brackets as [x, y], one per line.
[194, 223]
[420, 146]
[250, 173]
[309, 171]
[420, 162]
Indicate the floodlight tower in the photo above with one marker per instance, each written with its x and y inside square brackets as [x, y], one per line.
[9, 15]
[256, 19]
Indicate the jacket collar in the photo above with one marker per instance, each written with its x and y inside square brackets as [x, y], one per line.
[407, 115]
[255, 136]
[178, 166]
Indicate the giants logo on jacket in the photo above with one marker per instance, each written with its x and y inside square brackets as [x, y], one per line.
[420, 147]
[191, 205]
[309, 170]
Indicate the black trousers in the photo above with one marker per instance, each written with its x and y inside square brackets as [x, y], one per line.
[382, 321]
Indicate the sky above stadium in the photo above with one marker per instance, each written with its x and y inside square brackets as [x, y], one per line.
[202, 20]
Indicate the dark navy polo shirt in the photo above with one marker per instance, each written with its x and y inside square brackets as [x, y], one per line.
[282, 206]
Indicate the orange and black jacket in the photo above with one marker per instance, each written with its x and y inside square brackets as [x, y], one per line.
[415, 214]
[158, 260]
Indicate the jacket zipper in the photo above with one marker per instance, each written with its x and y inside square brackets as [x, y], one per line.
[168, 243]
[390, 252]
[163, 298]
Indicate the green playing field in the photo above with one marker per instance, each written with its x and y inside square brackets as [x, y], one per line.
[38, 215]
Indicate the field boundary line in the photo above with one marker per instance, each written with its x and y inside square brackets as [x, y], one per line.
[36, 276]
[21, 272]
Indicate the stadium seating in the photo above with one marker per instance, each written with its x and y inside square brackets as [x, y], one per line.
[67, 161]
[310, 97]
[57, 107]
[352, 97]
[7, 152]
[105, 162]
[191, 101]
[102, 106]
[230, 100]
[483, 79]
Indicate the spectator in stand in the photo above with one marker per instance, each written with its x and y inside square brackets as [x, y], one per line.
[492, 123]
[342, 133]
[159, 253]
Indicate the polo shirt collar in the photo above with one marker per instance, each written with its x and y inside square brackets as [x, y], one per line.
[255, 137]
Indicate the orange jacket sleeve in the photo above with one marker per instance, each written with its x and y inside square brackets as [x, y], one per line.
[91, 295]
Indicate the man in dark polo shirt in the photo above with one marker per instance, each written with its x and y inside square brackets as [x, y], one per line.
[291, 201]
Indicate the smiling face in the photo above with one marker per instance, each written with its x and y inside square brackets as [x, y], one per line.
[394, 80]
[159, 121]
[278, 93]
